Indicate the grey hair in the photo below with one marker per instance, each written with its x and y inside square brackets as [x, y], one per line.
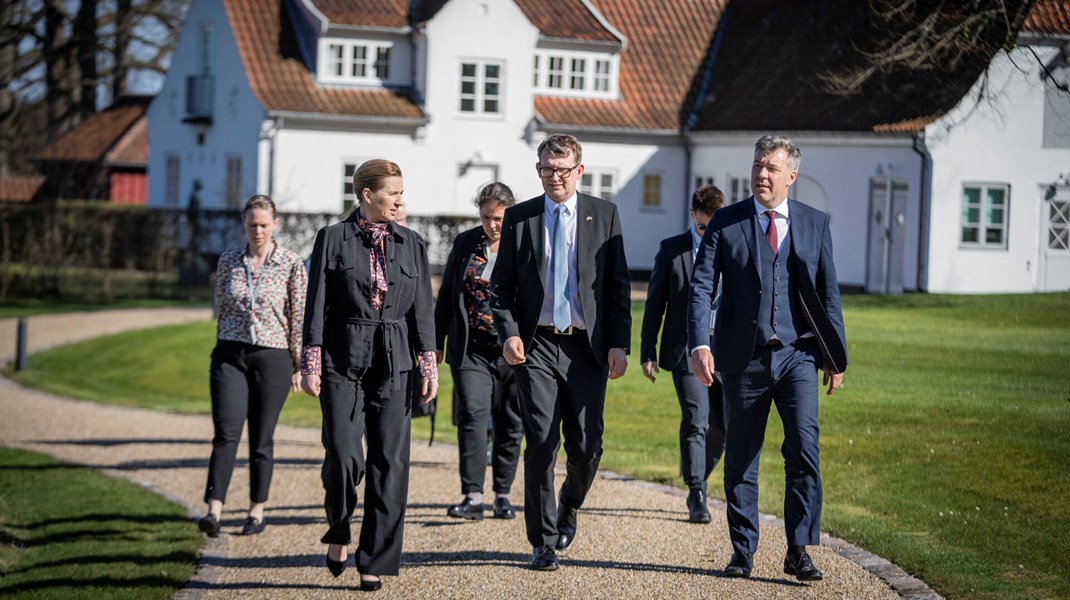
[770, 143]
[561, 144]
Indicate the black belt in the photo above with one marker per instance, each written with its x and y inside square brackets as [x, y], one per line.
[391, 339]
[553, 330]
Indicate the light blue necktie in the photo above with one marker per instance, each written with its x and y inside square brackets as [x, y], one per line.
[562, 311]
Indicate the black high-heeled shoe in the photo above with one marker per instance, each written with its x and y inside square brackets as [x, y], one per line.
[336, 567]
[367, 585]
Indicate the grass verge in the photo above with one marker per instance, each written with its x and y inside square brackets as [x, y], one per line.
[68, 531]
[945, 452]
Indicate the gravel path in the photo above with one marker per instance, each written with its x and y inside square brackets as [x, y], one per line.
[633, 539]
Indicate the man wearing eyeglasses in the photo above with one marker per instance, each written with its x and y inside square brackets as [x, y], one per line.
[561, 304]
[701, 407]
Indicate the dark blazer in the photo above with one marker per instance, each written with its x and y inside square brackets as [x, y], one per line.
[451, 316]
[338, 312]
[518, 281]
[729, 254]
[670, 282]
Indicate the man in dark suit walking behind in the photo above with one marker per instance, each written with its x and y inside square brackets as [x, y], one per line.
[779, 320]
[701, 407]
[562, 309]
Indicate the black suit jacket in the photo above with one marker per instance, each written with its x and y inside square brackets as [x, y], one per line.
[451, 316]
[518, 281]
[338, 312]
[667, 295]
[729, 255]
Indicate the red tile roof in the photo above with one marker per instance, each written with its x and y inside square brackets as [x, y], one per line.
[1049, 17]
[664, 51]
[132, 149]
[566, 19]
[282, 82]
[367, 13]
[96, 136]
[20, 188]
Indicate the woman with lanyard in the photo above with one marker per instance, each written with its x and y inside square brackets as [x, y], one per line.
[368, 324]
[484, 385]
[256, 361]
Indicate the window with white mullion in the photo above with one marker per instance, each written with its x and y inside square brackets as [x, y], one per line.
[359, 63]
[577, 74]
[601, 75]
[555, 77]
[480, 90]
[598, 182]
[335, 54]
[356, 62]
[985, 208]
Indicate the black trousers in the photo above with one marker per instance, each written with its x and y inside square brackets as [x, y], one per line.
[485, 388]
[701, 426]
[562, 391]
[355, 404]
[247, 383]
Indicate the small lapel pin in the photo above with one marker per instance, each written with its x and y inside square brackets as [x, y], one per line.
[589, 219]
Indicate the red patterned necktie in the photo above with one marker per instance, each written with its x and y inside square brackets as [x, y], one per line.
[770, 231]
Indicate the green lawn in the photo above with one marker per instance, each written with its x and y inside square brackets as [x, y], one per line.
[947, 450]
[70, 532]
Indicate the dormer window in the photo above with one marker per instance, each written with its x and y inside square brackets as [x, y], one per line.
[355, 61]
[575, 74]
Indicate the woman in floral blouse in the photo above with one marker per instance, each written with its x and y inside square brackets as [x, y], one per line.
[260, 295]
[484, 385]
[368, 324]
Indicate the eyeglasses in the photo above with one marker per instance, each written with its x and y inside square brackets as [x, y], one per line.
[700, 227]
[563, 173]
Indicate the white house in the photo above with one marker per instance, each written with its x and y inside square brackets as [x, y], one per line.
[286, 97]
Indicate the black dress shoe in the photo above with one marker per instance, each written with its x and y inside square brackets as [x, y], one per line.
[368, 585]
[800, 565]
[739, 566]
[252, 526]
[466, 510]
[209, 524]
[544, 559]
[503, 509]
[336, 567]
[696, 506]
[566, 526]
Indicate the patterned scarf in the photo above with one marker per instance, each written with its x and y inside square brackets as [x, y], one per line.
[377, 232]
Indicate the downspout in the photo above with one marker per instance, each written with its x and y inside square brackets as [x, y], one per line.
[924, 210]
[697, 104]
[268, 133]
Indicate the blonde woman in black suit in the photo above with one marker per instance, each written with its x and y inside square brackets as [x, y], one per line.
[368, 324]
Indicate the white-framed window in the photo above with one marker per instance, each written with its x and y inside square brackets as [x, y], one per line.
[701, 180]
[599, 182]
[349, 195]
[356, 61]
[171, 181]
[232, 193]
[651, 191]
[205, 47]
[738, 188]
[985, 207]
[481, 87]
[576, 74]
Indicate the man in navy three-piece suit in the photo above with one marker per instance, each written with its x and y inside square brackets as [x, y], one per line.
[779, 320]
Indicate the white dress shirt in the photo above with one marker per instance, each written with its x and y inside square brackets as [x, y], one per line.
[568, 219]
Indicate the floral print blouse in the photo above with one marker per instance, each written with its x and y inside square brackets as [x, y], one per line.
[262, 306]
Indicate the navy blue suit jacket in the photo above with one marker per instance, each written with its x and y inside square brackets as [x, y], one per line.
[667, 294]
[729, 253]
